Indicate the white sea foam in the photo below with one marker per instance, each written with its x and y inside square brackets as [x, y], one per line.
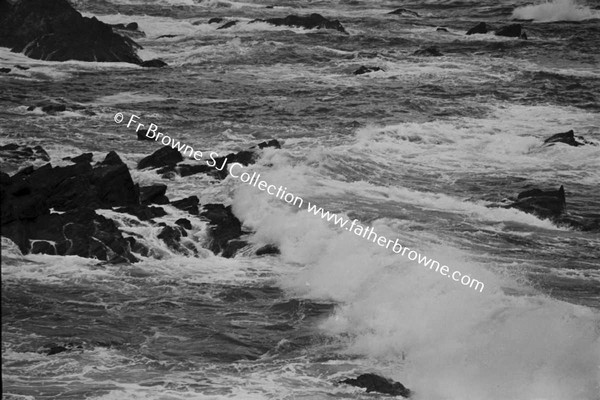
[556, 10]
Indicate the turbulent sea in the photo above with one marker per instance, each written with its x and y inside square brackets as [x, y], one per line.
[419, 151]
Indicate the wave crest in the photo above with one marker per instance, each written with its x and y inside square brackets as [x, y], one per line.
[556, 10]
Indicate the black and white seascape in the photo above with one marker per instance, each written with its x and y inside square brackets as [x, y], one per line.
[260, 199]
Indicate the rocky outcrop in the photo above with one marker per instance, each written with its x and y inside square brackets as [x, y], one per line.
[312, 21]
[567, 138]
[479, 28]
[379, 384]
[79, 232]
[28, 197]
[53, 30]
[365, 70]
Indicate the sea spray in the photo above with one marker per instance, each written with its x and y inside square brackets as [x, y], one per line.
[556, 10]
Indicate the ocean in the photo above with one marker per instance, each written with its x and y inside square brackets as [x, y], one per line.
[426, 150]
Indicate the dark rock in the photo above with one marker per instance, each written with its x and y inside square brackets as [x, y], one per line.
[21, 67]
[431, 51]
[366, 70]
[271, 143]
[43, 247]
[15, 153]
[442, 29]
[543, 203]
[187, 169]
[167, 36]
[30, 108]
[160, 158]
[156, 63]
[52, 348]
[215, 20]
[85, 157]
[172, 237]
[113, 182]
[268, 249]
[79, 232]
[189, 204]
[184, 223]
[225, 226]
[141, 135]
[513, 30]
[404, 11]
[479, 28]
[228, 25]
[31, 192]
[567, 138]
[142, 212]
[376, 383]
[5, 70]
[313, 21]
[232, 247]
[53, 30]
[154, 194]
[53, 108]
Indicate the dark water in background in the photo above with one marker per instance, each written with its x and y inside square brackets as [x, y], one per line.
[418, 151]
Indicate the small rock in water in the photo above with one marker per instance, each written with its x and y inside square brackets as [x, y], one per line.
[365, 70]
[215, 20]
[379, 384]
[5, 70]
[156, 63]
[479, 28]
[513, 30]
[567, 138]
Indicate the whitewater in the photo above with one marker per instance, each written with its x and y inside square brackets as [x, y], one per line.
[429, 150]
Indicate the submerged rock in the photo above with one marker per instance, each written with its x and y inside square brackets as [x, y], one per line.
[215, 20]
[155, 63]
[479, 28]
[404, 11]
[365, 70]
[228, 25]
[431, 51]
[379, 384]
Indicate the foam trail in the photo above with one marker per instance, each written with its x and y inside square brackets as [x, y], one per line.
[556, 10]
